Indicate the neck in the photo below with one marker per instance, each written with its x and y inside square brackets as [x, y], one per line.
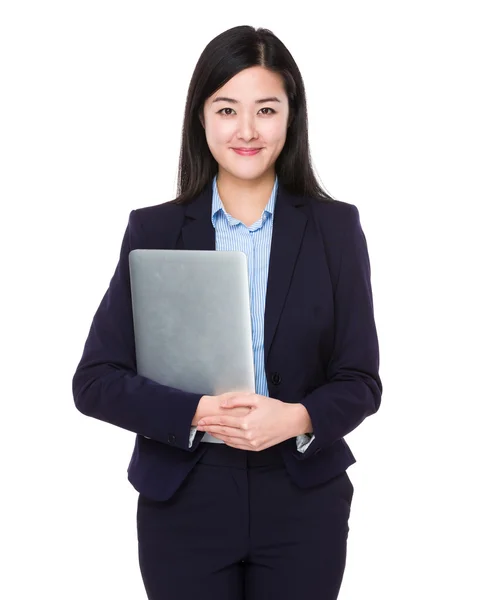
[245, 195]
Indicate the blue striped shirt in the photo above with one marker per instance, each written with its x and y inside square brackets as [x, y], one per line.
[255, 241]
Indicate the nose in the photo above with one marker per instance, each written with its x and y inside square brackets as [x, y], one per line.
[246, 127]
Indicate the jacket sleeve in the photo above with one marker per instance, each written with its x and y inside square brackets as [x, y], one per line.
[353, 389]
[106, 385]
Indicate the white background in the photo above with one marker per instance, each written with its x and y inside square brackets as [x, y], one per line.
[92, 102]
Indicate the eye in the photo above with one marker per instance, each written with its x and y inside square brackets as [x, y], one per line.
[271, 109]
[228, 108]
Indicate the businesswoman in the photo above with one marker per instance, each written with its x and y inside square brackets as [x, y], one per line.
[246, 496]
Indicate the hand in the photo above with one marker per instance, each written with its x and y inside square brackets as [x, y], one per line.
[267, 422]
[211, 405]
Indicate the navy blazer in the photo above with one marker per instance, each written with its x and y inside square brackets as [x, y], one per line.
[320, 340]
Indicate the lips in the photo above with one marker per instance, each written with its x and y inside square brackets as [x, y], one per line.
[247, 151]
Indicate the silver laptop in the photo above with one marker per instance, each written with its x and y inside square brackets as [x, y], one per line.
[192, 319]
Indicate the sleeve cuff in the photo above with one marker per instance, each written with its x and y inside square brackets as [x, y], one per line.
[193, 431]
[303, 441]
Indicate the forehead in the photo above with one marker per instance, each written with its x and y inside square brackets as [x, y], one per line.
[251, 84]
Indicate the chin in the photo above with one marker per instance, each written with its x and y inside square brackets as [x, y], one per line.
[247, 171]
[246, 175]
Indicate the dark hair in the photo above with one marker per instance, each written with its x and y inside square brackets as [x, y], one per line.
[226, 55]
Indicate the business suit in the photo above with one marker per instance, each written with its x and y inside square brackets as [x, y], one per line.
[320, 343]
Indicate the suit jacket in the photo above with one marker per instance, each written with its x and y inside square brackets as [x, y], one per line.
[320, 340]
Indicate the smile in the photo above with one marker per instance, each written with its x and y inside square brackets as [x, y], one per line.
[247, 152]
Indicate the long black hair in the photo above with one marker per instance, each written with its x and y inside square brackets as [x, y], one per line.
[226, 55]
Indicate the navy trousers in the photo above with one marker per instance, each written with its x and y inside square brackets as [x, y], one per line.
[239, 529]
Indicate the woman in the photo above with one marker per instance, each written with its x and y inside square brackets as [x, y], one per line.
[249, 498]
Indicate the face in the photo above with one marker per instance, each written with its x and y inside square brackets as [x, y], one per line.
[250, 111]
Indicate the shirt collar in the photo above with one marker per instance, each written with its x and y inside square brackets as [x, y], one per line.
[218, 205]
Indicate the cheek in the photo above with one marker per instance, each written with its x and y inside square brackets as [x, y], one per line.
[220, 133]
[274, 134]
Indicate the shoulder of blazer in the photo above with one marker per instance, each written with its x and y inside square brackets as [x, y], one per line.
[335, 219]
[333, 209]
[339, 227]
[159, 213]
[153, 223]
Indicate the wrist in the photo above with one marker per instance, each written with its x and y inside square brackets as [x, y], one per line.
[201, 410]
[302, 420]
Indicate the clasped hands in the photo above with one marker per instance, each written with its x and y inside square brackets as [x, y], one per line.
[249, 421]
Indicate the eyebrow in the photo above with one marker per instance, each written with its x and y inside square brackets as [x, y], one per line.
[233, 101]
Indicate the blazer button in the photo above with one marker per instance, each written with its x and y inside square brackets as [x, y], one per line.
[276, 378]
[171, 438]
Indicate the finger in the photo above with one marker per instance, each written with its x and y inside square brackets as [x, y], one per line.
[239, 400]
[233, 437]
[224, 421]
[221, 430]
[239, 446]
[234, 442]
[230, 438]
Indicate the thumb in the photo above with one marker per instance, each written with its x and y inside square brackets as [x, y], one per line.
[227, 395]
[230, 399]
[238, 398]
[233, 394]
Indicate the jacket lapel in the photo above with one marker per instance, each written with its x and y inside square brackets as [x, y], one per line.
[198, 233]
[288, 231]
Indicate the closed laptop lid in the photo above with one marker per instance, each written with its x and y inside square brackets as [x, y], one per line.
[192, 319]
